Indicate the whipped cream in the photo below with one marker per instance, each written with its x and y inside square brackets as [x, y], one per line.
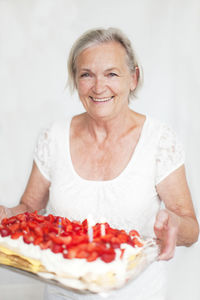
[96, 276]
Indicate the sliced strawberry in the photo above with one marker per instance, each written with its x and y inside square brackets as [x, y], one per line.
[46, 244]
[78, 239]
[29, 238]
[66, 239]
[21, 217]
[92, 256]
[77, 222]
[16, 235]
[85, 223]
[31, 224]
[50, 218]
[91, 246]
[68, 227]
[123, 237]
[57, 248]
[107, 226]
[65, 253]
[83, 246]
[115, 245]
[137, 243]
[115, 240]
[108, 257]
[66, 221]
[38, 231]
[64, 233]
[23, 225]
[38, 240]
[39, 218]
[56, 238]
[26, 230]
[76, 227]
[112, 231]
[133, 233]
[53, 228]
[121, 231]
[101, 248]
[71, 253]
[82, 254]
[122, 253]
[97, 240]
[45, 228]
[4, 221]
[107, 237]
[97, 230]
[4, 232]
[9, 220]
[14, 227]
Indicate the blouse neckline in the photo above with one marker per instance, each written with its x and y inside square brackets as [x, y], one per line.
[124, 171]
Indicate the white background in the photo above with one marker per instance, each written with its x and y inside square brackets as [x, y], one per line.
[35, 39]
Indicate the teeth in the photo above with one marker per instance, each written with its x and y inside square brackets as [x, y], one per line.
[101, 100]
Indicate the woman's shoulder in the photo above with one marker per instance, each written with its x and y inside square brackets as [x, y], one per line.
[166, 137]
[160, 133]
[58, 125]
[159, 126]
[53, 131]
[147, 120]
[155, 122]
[78, 125]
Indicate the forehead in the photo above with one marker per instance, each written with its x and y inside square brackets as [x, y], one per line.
[108, 54]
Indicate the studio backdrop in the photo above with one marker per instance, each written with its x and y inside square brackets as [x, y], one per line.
[35, 39]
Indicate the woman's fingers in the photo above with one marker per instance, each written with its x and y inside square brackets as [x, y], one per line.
[166, 230]
[4, 212]
[161, 220]
[168, 245]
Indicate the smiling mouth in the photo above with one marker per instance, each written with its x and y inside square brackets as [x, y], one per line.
[101, 99]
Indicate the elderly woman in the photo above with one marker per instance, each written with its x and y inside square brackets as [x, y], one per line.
[113, 162]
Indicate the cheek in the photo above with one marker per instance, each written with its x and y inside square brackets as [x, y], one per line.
[121, 87]
[83, 87]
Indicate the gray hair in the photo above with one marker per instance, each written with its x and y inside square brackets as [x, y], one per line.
[98, 36]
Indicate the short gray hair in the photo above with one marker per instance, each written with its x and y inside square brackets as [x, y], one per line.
[98, 36]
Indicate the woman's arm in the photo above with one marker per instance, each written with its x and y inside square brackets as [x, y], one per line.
[34, 198]
[177, 224]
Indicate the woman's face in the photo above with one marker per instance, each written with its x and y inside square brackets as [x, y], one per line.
[104, 80]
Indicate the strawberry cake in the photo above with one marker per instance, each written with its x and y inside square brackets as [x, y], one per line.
[56, 248]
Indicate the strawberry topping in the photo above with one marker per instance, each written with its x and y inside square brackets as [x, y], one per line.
[61, 235]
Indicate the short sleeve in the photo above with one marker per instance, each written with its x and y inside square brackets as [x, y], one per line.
[43, 153]
[170, 154]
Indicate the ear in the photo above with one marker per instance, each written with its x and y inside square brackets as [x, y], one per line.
[135, 77]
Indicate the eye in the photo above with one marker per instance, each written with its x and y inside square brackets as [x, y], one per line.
[85, 75]
[112, 74]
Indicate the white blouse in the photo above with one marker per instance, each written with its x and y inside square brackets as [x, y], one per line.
[129, 201]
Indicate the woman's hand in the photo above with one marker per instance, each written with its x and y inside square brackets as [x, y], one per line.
[166, 229]
[34, 198]
[177, 224]
[4, 212]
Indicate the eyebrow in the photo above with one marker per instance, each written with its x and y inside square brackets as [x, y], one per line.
[107, 70]
[111, 69]
[85, 69]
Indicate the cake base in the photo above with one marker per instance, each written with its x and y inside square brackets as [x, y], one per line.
[13, 259]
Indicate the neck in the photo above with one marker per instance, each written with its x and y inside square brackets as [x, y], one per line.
[103, 129]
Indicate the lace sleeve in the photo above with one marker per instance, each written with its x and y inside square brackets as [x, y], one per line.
[170, 154]
[43, 153]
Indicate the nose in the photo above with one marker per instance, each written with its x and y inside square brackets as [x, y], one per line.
[99, 86]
